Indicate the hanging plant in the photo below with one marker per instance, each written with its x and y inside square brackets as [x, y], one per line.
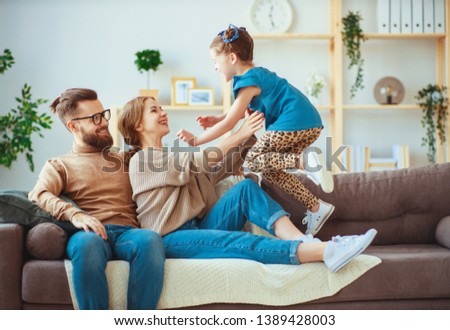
[434, 104]
[352, 37]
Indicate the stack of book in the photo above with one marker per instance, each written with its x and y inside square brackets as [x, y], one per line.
[358, 159]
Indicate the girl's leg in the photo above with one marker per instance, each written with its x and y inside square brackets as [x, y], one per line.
[290, 184]
[275, 152]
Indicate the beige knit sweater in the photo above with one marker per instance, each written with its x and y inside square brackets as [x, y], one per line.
[97, 182]
[173, 188]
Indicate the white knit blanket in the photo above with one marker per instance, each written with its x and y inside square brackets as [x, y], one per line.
[193, 282]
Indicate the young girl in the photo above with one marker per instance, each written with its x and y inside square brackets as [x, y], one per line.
[292, 123]
[175, 196]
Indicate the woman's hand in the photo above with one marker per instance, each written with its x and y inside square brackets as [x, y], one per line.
[187, 137]
[252, 124]
[88, 223]
[208, 121]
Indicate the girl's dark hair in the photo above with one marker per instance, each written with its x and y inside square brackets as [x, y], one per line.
[242, 46]
[67, 103]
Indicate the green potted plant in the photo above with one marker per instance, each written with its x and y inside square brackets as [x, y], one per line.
[352, 37]
[147, 60]
[17, 127]
[434, 104]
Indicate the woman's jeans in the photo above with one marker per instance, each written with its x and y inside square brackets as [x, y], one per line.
[219, 235]
[144, 251]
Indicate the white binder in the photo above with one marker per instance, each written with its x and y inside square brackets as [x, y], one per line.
[417, 15]
[439, 16]
[406, 9]
[428, 16]
[383, 16]
[395, 16]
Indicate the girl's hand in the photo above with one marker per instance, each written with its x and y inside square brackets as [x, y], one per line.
[187, 137]
[248, 112]
[208, 121]
[252, 124]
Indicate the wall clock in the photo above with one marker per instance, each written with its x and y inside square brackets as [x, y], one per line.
[271, 16]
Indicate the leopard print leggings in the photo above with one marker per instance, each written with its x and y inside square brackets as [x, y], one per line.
[277, 151]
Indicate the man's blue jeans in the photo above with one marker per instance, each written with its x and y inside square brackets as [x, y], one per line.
[219, 235]
[144, 251]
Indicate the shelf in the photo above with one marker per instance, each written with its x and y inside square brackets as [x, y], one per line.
[328, 36]
[381, 107]
[192, 107]
[293, 36]
[416, 36]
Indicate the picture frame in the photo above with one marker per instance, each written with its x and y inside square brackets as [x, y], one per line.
[180, 89]
[201, 96]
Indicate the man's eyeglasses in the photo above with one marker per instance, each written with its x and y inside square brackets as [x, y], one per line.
[97, 117]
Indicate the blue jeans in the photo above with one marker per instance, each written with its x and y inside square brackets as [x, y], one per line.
[144, 251]
[219, 235]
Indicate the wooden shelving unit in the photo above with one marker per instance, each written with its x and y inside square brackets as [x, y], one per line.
[336, 70]
[192, 108]
[381, 107]
[293, 36]
[337, 108]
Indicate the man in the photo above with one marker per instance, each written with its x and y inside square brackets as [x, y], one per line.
[106, 211]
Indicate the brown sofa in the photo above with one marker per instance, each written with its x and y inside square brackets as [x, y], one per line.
[410, 209]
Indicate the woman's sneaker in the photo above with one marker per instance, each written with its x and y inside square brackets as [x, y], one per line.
[308, 238]
[341, 250]
[315, 220]
[320, 175]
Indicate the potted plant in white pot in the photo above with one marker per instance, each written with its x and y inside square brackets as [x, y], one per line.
[147, 60]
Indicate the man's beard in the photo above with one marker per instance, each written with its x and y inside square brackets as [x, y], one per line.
[97, 141]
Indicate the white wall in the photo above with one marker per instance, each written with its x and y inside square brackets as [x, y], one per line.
[63, 44]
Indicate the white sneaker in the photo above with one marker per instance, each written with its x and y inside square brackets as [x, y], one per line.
[315, 221]
[341, 250]
[317, 172]
[308, 238]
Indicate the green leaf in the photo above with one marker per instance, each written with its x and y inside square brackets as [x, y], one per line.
[434, 104]
[18, 126]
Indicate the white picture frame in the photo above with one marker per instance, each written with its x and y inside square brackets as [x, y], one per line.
[201, 96]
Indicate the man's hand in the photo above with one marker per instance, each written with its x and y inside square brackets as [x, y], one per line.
[187, 137]
[252, 124]
[208, 121]
[87, 222]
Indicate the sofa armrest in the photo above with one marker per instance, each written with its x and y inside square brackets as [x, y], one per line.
[11, 264]
[442, 233]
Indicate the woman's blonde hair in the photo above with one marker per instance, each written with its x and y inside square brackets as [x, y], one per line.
[129, 118]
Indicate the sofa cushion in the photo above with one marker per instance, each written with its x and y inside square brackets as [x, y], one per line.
[443, 232]
[45, 282]
[15, 207]
[416, 271]
[47, 241]
[400, 204]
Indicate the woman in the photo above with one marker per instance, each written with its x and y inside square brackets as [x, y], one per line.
[175, 196]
